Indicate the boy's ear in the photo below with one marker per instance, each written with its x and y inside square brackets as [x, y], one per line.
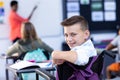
[87, 34]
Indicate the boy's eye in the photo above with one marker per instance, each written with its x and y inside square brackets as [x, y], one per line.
[73, 34]
[65, 35]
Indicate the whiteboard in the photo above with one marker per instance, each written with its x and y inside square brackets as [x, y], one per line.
[46, 18]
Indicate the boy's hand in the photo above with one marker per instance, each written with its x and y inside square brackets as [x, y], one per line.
[58, 61]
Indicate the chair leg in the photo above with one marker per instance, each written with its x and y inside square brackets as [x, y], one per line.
[37, 76]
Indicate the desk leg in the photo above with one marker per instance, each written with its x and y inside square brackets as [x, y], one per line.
[7, 74]
[19, 76]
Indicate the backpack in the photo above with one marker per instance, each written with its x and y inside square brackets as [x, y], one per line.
[35, 55]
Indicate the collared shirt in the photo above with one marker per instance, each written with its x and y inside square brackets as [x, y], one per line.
[15, 22]
[84, 52]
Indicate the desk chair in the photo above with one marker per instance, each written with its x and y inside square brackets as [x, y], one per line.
[13, 58]
[44, 74]
[109, 57]
[20, 58]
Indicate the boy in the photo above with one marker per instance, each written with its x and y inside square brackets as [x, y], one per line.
[77, 35]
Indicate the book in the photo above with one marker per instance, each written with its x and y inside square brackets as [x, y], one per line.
[25, 64]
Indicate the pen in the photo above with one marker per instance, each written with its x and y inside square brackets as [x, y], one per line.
[49, 63]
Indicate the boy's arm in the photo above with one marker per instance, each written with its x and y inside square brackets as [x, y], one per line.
[110, 46]
[69, 56]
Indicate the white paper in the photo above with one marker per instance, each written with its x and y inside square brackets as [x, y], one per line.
[24, 64]
[110, 16]
[110, 5]
[72, 6]
[97, 16]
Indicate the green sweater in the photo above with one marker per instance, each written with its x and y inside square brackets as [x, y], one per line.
[24, 46]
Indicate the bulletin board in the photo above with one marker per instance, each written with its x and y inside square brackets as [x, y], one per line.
[102, 15]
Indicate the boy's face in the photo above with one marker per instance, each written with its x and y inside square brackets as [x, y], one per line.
[74, 36]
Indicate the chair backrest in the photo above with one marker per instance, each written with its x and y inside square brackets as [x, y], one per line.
[97, 66]
[85, 74]
[46, 75]
[64, 71]
[109, 58]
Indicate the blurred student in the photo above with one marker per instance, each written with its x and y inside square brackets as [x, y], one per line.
[114, 67]
[77, 37]
[15, 21]
[29, 41]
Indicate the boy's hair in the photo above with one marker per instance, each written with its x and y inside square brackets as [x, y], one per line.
[74, 20]
[13, 2]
